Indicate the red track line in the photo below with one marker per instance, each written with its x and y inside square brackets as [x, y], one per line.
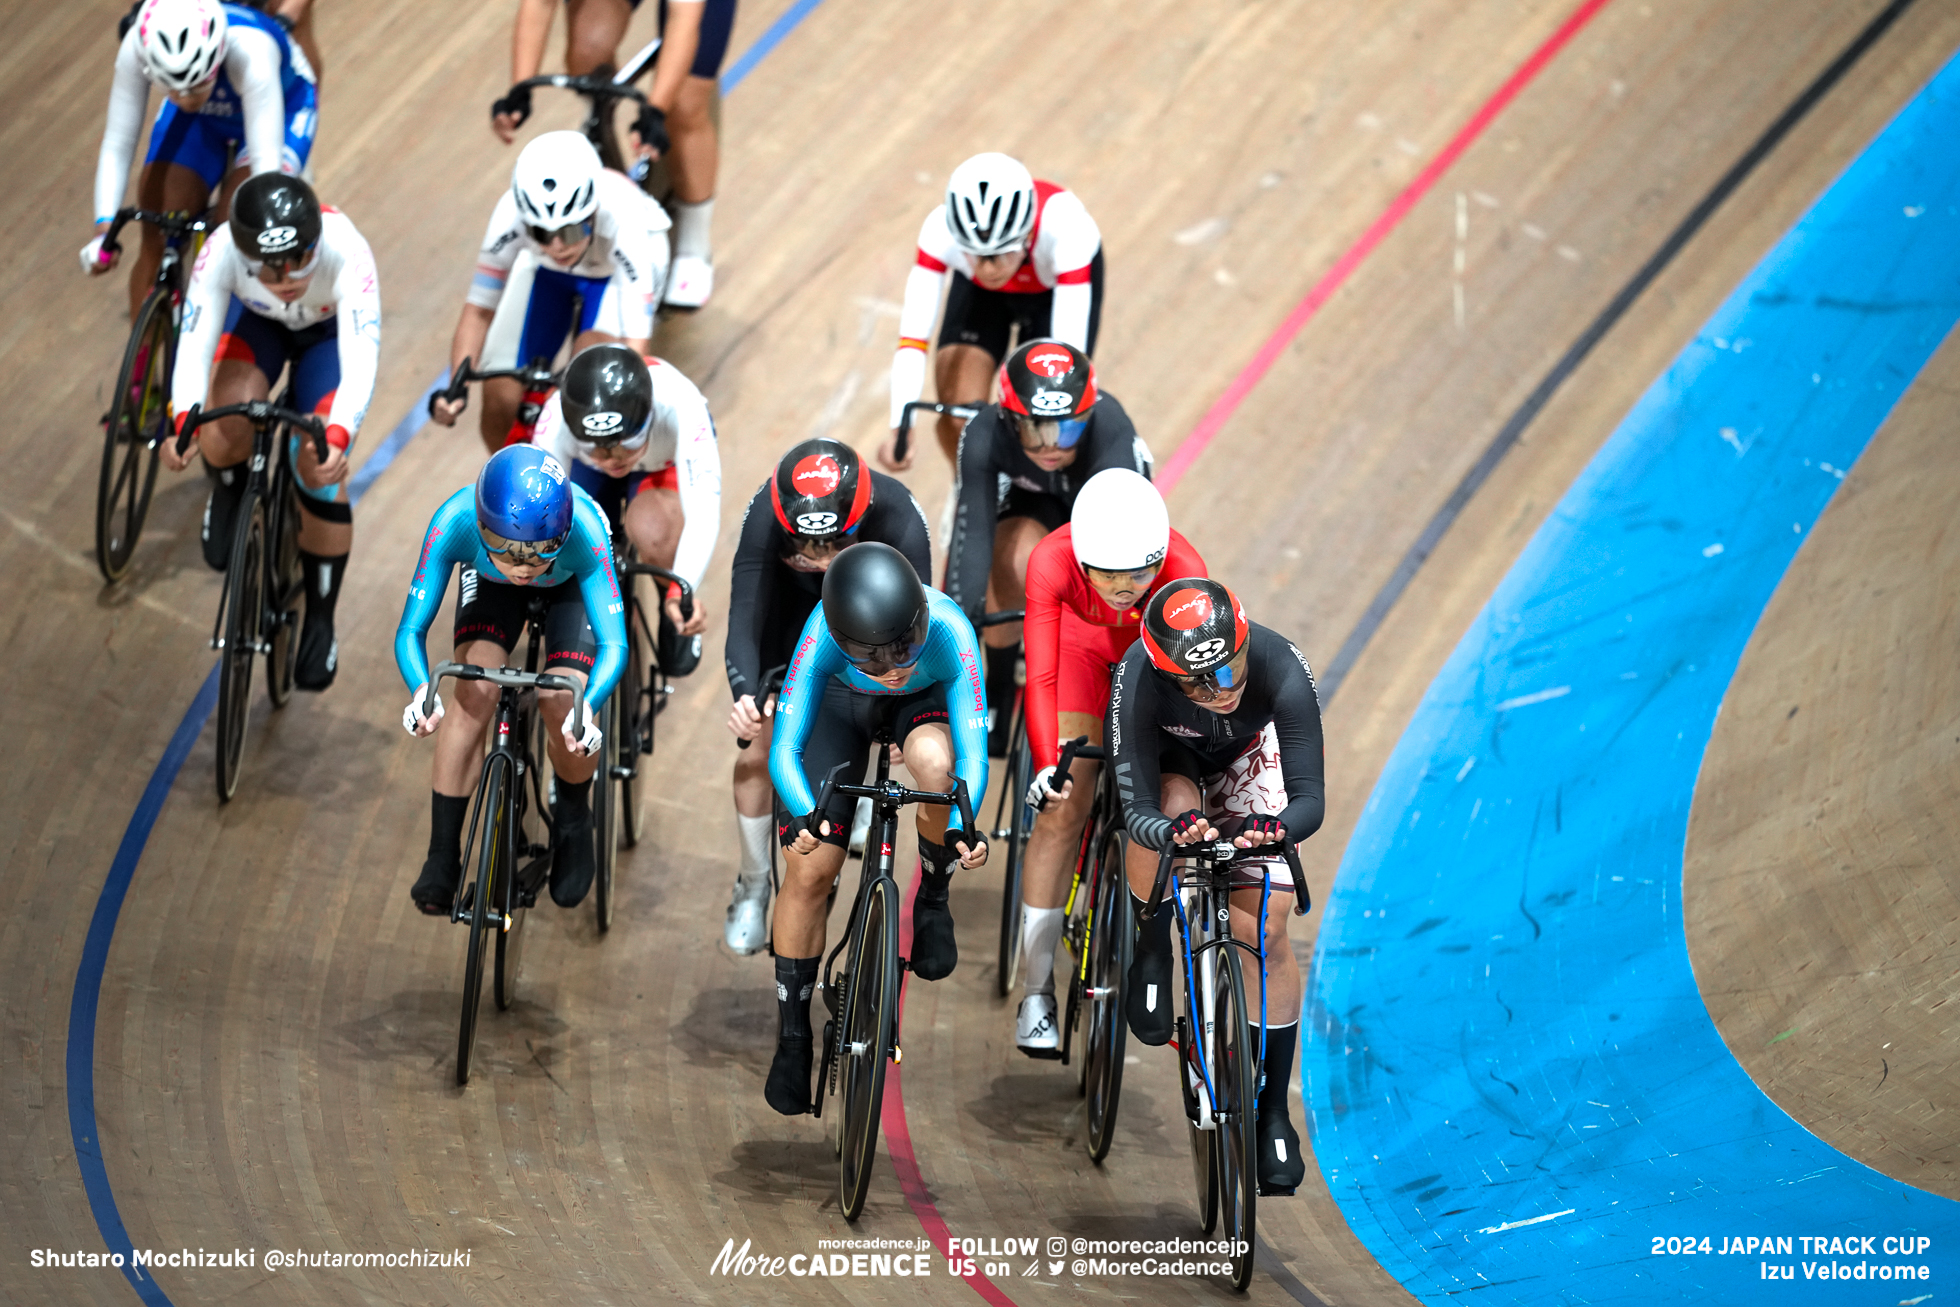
[1323, 290]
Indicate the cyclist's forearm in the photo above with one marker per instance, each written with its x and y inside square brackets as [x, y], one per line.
[129, 96]
[472, 329]
[528, 36]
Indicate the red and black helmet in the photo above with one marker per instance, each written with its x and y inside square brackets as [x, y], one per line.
[820, 490]
[1048, 380]
[1194, 627]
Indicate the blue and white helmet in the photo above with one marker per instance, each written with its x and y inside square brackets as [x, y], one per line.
[556, 180]
[523, 494]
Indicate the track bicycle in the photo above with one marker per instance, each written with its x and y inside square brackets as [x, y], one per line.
[258, 607]
[965, 412]
[139, 409]
[861, 1031]
[603, 89]
[513, 814]
[537, 377]
[1013, 822]
[1099, 930]
[1220, 1070]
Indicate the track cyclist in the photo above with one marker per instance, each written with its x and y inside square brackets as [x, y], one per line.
[1021, 254]
[1087, 586]
[596, 246]
[881, 655]
[694, 41]
[524, 528]
[1022, 462]
[1214, 731]
[820, 500]
[284, 284]
[638, 438]
[230, 76]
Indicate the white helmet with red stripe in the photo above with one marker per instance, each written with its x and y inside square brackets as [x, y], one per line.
[181, 42]
[990, 204]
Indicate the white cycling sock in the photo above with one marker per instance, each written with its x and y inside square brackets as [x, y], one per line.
[756, 833]
[691, 228]
[1040, 928]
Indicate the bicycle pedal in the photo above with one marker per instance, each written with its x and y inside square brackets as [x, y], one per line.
[624, 773]
[898, 1054]
[1264, 1192]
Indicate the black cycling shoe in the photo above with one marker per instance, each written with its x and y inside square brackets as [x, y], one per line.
[679, 654]
[319, 655]
[1147, 1003]
[434, 891]
[997, 734]
[1281, 1168]
[221, 516]
[788, 1087]
[573, 859]
[934, 950]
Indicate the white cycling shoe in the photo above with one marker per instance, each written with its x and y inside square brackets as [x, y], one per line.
[689, 282]
[1035, 1030]
[748, 916]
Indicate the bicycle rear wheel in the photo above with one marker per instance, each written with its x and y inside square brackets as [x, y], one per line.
[282, 648]
[606, 796]
[1110, 932]
[492, 796]
[138, 414]
[1013, 793]
[1235, 1073]
[636, 717]
[243, 605]
[870, 1012]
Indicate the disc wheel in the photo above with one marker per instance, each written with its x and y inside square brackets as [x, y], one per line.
[494, 850]
[244, 608]
[870, 1012]
[139, 413]
[282, 648]
[1020, 821]
[1107, 1037]
[1235, 1072]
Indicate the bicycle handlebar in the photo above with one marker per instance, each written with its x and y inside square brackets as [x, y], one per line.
[1223, 853]
[537, 375]
[1005, 617]
[503, 676]
[172, 224]
[953, 798]
[967, 411]
[260, 411]
[662, 574]
[587, 84]
[1079, 747]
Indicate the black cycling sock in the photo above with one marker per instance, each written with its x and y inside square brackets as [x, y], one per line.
[796, 980]
[1153, 933]
[323, 576]
[1000, 683]
[1280, 1044]
[573, 797]
[447, 813]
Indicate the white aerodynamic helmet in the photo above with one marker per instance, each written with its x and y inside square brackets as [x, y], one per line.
[556, 180]
[1119, 523]
[990, 204]
[181, 42]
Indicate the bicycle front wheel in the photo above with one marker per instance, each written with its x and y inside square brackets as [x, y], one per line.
[286, 586]
[605, 806]
[138, 414]
[243, 605]
[492, 796]
[1235, 1073]
[1013, 793]
[636, 722]
[870, 1015]
[1110, 932]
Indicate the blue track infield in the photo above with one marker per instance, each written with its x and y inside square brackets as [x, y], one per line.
[1514, 1085]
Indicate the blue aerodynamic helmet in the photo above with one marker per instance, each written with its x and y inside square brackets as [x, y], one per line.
[523, 504]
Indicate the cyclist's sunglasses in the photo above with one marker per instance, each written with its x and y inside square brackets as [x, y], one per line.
[1217, 682]
[522, 553]
[297, 264]
[570, 234]
[1050, 433]
[881, 659]
[619, 442]
[1136, 576]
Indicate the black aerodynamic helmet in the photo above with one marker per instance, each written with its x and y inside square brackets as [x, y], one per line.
[875, 606]
[821, 490]
[1048, 380]
[1194, 628]
[275, 219]
[607, 395]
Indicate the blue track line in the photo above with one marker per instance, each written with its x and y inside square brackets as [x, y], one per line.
[1514, 1083]
[82, 1126]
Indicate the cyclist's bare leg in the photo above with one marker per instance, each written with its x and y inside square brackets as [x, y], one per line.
[752, 786]
[1057, 831]
[961, 374]
[161, 188]
[468, 708]
[800, 908]
[694, 158]
[1014, 539]
[1178, 795]
[228, 441]
[1282, 968]
[593, 31]
[653, 523]
[501, 396]
[554, 706]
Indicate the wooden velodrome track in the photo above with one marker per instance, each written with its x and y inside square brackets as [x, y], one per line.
[273, 1049]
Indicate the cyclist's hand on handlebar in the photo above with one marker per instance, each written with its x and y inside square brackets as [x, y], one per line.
[745, 719]
[412, 719]
[687, 625]
[1191, 828]
[315, 475]
[806, 840]
[446, 411]
[1260, 830]
[650, 139]
[888, 453]
[173, 460]
[510, 113]
[1041, 790]
[95, 259]
[583, 739]
[971, 845]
